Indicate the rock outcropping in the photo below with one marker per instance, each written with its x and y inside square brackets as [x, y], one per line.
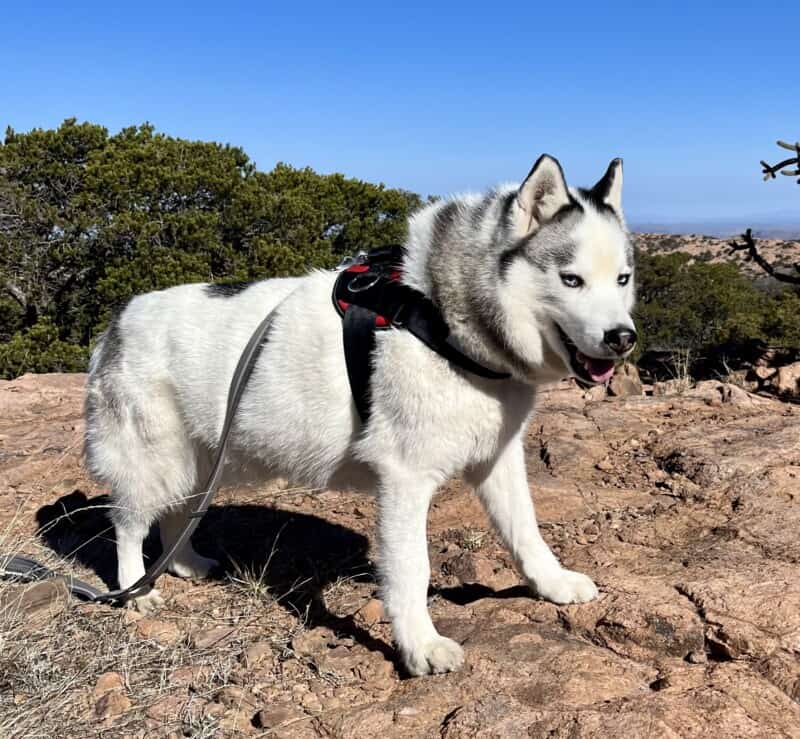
[684, 508]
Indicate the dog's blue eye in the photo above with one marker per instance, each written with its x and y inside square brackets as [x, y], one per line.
[622, 280]
[571, 280]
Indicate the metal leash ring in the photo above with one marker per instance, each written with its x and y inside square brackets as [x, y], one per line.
[364, 282]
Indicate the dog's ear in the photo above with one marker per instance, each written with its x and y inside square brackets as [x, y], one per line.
[609, 189]
[543, 193]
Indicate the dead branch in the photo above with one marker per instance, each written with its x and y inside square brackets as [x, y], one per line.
[769, 170]
[749, 245]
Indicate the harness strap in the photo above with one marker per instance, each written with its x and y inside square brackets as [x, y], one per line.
[425, 328]
[369, 297]
[30, 570]
[358, 326]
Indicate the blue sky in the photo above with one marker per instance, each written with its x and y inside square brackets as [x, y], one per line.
[439, 98]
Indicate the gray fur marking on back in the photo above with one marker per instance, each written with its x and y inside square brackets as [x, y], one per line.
[111, 355]
[101, 391]
[225, 289]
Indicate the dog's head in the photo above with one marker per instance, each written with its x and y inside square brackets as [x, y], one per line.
[568, 268]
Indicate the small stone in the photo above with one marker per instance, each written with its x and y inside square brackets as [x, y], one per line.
[787, 380]
[697, 657]
[275, 716]
[625, 382]
[733, 395]
[375, 670]
[212, 637]
[166, 709]
[370, 613]
[605, 465]
[213, 710]
[470, 568]
[760, 374]
[312, 642]
[131, 615]
[311, 702]
[256, 653]
[591, 530]
[41, 600]
[163, 632]
[340, 652]
[406, 713]
[236, 721]
[598, 392]
[188, 675]
[107, 682]
[112, 704]
[233, 696]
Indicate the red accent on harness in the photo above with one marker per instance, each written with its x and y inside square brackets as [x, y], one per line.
[394, 275]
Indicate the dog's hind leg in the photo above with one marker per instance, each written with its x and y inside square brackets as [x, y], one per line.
[130, 534]
[503, 488]
[186, 562]
[404, 498]
[136, 442]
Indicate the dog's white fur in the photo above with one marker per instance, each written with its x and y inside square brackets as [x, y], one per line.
[157, 391]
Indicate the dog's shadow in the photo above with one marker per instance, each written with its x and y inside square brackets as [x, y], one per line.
[296, 555]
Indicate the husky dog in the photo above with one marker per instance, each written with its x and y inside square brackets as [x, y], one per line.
[534, 280]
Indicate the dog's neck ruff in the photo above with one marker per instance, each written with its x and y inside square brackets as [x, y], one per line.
[369, 296]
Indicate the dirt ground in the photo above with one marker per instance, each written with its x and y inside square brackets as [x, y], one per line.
[685, 509]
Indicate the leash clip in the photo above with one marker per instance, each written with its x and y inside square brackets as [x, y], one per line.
[360, 257]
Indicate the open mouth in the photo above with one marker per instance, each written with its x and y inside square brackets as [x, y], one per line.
[588, 370]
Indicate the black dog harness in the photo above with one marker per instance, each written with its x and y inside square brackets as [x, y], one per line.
[369, 296]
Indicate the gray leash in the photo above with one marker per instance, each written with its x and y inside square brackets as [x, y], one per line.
[28, 570]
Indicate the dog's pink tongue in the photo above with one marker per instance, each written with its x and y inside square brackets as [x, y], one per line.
[599, 370]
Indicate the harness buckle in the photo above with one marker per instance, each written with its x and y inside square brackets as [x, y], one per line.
[401, 315]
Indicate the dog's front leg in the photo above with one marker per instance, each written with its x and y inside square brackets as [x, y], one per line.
[404, 498]
[502, 486]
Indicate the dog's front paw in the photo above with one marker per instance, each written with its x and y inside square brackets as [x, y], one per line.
[567, 587]
[438, 655]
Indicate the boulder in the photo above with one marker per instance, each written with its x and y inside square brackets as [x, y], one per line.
[625, 381]
[786, 381]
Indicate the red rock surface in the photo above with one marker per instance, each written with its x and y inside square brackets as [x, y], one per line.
[684, 508]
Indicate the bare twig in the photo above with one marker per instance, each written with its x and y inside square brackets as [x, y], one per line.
[769, 170]
[749, 245]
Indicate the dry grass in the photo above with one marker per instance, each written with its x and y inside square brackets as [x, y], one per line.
[50, 661]
[681, 374]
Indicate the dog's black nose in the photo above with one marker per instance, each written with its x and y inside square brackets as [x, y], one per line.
[620, 340]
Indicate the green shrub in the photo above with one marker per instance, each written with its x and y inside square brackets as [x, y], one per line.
[39, 349]
[91, 219]
[697, 306]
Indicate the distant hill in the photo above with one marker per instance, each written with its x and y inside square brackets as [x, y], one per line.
[723, 229]
[783, 253]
